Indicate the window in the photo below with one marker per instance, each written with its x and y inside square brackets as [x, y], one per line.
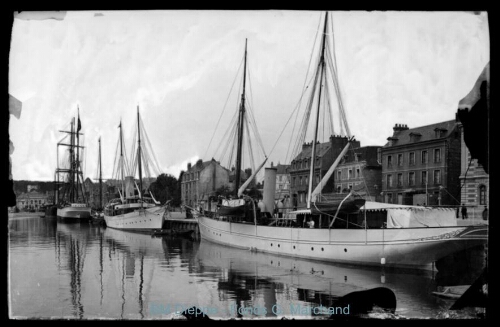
[400, 179]
[293, 181]
[482, 195]
[339, 189]
[389, 180]
[301, 197]
[300, 180]
[339, 175]
[412, 158]
[279, 178]
[350, 186]
[306, 180]
[411, 178]
[349, 174]
[317, 179]
[437, 176]
[400, 159]
[357, 173]
[424, 157]
[437, 155]
[424, 177]
[389, 197]
[389, 161]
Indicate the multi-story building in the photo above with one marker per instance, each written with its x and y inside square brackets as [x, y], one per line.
[326, 153]
[282, 181]
[360, 170]
[202, 180]
[421, 166]
[31, 201]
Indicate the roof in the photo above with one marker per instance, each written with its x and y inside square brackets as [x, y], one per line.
[365, 153]
[282, 169]
[31, 195]
[427, 133]
[321, 150]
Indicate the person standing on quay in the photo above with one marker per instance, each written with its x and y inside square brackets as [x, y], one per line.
[464, 212]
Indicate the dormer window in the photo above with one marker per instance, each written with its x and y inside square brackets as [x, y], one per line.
[440, 132]
[414, 137]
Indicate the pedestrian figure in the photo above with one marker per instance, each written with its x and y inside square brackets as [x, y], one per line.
[464, 212]
[485, 213]
[310, 223]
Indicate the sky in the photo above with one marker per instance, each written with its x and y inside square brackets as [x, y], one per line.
[394, 67]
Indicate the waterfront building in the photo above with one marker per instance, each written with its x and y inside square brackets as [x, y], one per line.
[32, 200]
[360, 170]
[326, 153]
[421, 166]
[202, 180]
[282, 181]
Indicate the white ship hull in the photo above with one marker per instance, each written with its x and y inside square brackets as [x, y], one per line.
[140, 219]
[74, 213]
[407, 247]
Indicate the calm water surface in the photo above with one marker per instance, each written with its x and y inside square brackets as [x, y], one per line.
[81, 271]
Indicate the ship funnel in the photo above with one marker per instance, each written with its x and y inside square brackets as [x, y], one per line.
[269, 189]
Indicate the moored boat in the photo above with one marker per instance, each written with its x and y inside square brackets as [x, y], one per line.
[344, 229]
[73, 205]
[133, 211]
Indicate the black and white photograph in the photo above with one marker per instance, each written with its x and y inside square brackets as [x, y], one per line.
[248, 165]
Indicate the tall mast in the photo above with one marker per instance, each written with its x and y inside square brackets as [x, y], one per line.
[100, 176]
[313, 152]
[72, 162]
[139, 152]
[77, 155]
[121, 159]
[240, 128]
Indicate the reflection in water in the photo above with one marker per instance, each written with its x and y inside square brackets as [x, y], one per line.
[84, 271]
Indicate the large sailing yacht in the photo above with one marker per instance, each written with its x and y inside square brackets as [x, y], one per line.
[72, 205]
[133, 210]
[347, 229]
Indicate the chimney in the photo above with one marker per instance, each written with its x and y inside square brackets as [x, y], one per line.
[189, 166]
[399, 127]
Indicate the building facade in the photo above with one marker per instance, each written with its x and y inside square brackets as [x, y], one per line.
[475, 183]
[33, 200]
[282, 181]
[201, 180]
[360, 170]
[421, 166]
[326, 153]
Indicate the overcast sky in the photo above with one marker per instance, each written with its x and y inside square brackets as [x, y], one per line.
[178, 66]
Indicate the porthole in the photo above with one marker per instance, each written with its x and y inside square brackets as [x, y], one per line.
[312, 249]
[278, 245]
[345, 250]
[322, 249]
[271, 244]
[294, 247]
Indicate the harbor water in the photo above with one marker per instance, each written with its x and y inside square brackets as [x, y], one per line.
[82, 271]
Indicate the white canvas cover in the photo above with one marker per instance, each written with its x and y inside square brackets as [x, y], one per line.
[233, 203]
[428, 217]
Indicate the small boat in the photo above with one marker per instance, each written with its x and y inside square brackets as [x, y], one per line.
[174, 232]
[133, 211]
[451, 292]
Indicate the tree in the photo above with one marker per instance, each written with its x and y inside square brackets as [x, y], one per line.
[166, 187]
